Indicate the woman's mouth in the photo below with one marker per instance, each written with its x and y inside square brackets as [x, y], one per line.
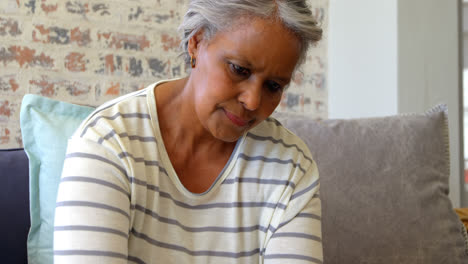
[236, 120]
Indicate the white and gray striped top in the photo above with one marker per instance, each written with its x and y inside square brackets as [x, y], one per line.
[120, 200]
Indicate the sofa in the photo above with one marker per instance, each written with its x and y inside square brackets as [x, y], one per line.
[14, 204]
[384, 186]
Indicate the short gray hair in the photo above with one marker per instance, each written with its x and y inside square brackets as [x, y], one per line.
[212, 16]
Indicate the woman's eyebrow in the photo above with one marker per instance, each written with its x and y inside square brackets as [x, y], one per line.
[283, 78]
[239, 58]
[236, 55]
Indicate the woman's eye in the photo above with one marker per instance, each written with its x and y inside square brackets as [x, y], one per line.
[274, 87]
[238, 70]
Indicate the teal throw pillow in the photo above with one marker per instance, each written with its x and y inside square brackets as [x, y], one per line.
[46, 126]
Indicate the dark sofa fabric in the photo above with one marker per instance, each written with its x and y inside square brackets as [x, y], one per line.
[14, 205]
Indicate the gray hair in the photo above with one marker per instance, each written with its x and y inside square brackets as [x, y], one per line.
[212, 16]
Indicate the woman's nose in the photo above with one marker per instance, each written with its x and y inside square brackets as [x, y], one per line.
[251, 96]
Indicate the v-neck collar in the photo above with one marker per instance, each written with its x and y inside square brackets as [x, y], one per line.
[164, 157]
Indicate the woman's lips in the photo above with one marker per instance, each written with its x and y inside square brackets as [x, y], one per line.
[236, 120]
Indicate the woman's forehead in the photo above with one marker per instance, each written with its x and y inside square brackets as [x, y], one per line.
[260, 42]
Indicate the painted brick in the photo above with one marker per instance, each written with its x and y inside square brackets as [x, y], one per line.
[147, 13]
[118, 40]
[76, 89]
[9, 112]
[112, 89]
[10, 136]
[90, 51]
[75, 62]
[9, 27]
[9, 84]
[48, 8]
[41, 34]
[76, 7]
[297, 102]
[318, 80]
[298, 78]
[101, 8]
[162, 68]
[110, 65]
[157, 66]
[170, 42]
[179, 5]
[30, 5]
[10, 7]
[282, 105]
[135, 68]
[101, 12]
[6, 55]
[61, 35]
[177, 70]
[6, 110]
[135, 13]
[57, 88]
[141, 67]
[131, 87]
[153, 16]
[320, 106]
[292, 100]
[18, 138]
[116, 65]
[54, 35]
[25, 56]
[81, 37]
[5, 136]
[107, 91]
[317, 62]
[98, 12]
[44, 87]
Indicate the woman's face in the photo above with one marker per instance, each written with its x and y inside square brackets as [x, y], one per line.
[240, 75]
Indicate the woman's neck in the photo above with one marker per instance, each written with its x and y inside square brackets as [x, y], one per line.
[180, 127]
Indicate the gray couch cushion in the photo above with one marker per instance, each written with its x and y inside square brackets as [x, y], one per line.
[384, 186]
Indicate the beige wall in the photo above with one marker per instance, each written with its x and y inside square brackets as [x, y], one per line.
[429, 71]
[363, 58]
[398, 56]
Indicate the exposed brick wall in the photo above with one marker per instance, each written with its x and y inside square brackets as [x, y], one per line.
[90, 51]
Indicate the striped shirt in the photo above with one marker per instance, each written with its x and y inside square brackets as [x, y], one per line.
[120, 200]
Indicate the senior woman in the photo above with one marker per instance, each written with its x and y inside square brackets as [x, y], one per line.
[194, 170]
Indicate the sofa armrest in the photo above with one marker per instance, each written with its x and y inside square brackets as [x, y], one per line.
[14, 205]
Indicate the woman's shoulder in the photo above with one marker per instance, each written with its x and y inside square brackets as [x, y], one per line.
[273, 128]
[114, 115]
[272, 136]
[126, 102]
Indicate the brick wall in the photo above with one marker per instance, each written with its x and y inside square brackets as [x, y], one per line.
[90, 51]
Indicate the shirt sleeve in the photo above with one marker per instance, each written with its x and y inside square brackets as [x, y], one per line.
[92, 214]
[298, 237]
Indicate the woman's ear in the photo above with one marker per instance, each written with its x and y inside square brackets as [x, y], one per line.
[194, 43]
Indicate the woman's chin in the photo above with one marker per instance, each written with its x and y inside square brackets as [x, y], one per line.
[228, 135]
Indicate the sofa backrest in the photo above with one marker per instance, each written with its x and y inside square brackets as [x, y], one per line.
[384, 188]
